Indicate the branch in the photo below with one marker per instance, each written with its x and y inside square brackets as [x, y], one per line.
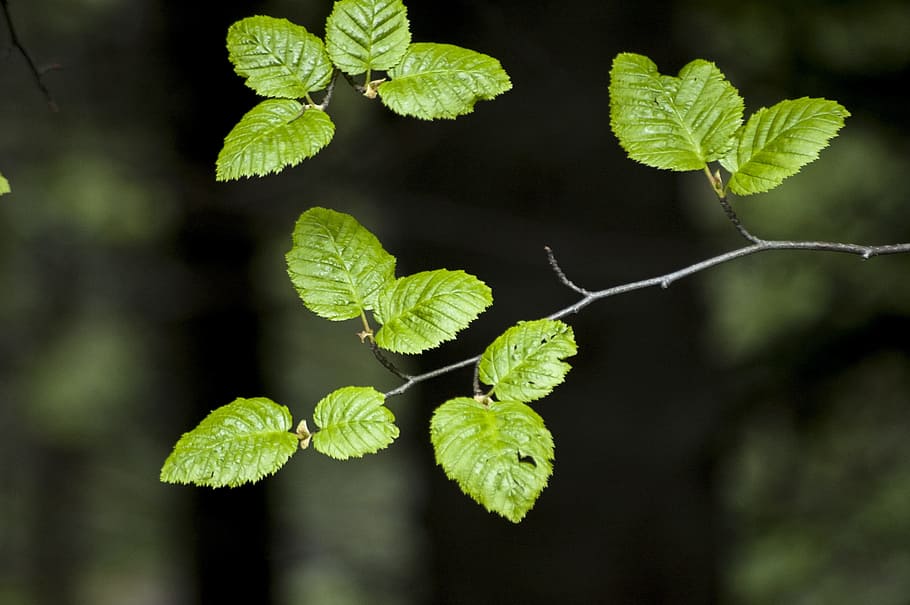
[38, 74]
[664, 281]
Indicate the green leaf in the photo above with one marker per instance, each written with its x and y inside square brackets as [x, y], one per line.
[238, 443]
[274, 134]
[525, 363]
[777, 141]
[4, 185]
[278, 58]
[421, 311]
[364, 35]
[442, 81]
[336, 265]
[353, 421]
[675, 123]
[501, 455]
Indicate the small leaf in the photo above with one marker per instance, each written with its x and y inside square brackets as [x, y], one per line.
[442, 81]
[353, 421]
[337, 265]
[278, 58]
[4, 185]
[421, 311]
[675, 123]
[525, 363]
[777, 141]
[364, 35]
[501, 455]
[274, 134]
[238, 443]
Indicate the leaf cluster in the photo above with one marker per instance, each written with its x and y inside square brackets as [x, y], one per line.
[684, 122]
[369, 41]
[494, 446]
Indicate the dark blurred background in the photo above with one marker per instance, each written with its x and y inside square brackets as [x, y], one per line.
[739, 438]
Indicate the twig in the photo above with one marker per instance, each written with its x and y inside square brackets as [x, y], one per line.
[385, 361]
[728, 210]
[38, 74]
[328, 92]
[561, 275]
[664, 281]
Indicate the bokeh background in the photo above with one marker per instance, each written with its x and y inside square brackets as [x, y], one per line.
[741, 437]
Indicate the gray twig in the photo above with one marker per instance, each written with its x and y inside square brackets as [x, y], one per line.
[17, 44]
[664, 281]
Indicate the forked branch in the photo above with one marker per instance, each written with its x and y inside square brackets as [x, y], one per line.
[38, 74]
[664, 281]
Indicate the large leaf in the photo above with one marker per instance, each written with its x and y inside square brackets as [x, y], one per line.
[363, 35]
[421, 311]
[238, 443]
[675, 123]
[274, 134]
[4, 185]
[525, 362]
[442, 81]
[336, 265]
[353, 421]
[278, 58]
[777, 141]
[501, 455]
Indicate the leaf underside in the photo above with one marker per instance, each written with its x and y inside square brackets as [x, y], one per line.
[421, 311]
[501, 455]
[273, 135]
[442, 81]
[364, 35]
[776, 142]
[353, 421]
[525, 362]
[238, 443]
[336, 265]
[675, 123]
[278, 58]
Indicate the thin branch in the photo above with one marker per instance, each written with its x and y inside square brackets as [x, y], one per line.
[664, 281]
[385, 361]
[328, 92]
[37, 73]
[561, 275]
[732, 216]
[432, 374]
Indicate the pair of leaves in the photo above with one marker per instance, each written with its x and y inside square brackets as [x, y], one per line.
[683, 122]
[340, 270]
[498, 450]
[248, 439]
[286, 63]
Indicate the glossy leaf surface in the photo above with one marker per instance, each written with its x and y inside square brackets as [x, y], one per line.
[277, 57]
[353, 421]
[420, 311]
[442, 81]
[500, 455]
[525, 363]
[273, 135]
[336, 265]
[238, 443]
[675, 123]
[778, 141]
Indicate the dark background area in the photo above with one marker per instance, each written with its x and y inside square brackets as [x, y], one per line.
[738, 438]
